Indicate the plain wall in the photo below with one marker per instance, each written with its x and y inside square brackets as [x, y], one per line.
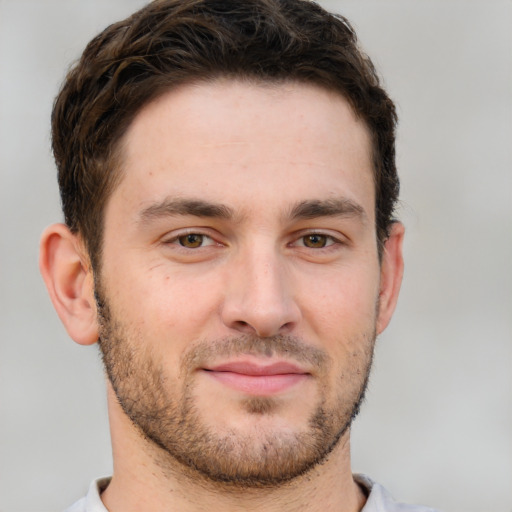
[437, 425]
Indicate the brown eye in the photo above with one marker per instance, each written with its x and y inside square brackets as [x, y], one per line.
[315, 241]
[191, 241]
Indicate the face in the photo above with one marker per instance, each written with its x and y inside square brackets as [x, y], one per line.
[238, 297]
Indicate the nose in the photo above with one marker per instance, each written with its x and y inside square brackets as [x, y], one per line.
[259, 298]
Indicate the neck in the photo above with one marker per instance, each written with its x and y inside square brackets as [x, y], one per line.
[141, 481]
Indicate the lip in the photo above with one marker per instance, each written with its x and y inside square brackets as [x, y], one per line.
[258, 379]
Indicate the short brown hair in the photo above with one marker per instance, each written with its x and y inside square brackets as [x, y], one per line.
[173, 42]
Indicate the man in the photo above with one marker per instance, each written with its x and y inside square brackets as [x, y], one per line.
[228, 183]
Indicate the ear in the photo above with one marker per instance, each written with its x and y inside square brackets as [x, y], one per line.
[391, 272]
[67, 272]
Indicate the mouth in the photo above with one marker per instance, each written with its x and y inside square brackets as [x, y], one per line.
[256, 379]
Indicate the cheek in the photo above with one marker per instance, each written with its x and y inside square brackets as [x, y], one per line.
[171, 305]
[343, 302]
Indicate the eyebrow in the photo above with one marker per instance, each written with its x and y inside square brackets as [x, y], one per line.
[339, 207]
[308, 209]
[180, 207]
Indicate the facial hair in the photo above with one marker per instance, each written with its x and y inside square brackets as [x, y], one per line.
[168, 417]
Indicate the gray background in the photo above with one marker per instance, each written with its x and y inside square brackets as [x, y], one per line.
[437, 425]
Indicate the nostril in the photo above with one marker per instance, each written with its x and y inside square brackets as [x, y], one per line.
[243, 326]
[288, 326]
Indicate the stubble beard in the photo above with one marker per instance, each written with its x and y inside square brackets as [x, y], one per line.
[172, 422]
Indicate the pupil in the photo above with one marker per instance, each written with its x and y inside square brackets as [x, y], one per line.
[191, 240]
[316, 241]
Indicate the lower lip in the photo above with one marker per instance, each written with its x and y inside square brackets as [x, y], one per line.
[261, 385]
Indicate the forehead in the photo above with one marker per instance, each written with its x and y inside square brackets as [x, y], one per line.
[240, 143]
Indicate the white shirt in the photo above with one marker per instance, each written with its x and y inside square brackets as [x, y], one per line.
[379, 500]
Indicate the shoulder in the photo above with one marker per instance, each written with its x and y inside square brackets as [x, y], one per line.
[92, 502]
[380, 500]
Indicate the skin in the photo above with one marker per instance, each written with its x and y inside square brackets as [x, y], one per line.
[262, 264]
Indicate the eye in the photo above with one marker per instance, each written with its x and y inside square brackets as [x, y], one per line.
[316, 241]
[194, 240]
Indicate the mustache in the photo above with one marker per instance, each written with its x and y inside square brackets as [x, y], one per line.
[287, 347]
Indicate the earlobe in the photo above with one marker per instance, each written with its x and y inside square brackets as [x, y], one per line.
[66, 271]
[392, 269]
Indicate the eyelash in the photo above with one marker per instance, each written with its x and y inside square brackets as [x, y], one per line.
[175, 240]
[329, 240]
